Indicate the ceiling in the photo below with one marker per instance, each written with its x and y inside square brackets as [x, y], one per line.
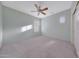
[28, 6]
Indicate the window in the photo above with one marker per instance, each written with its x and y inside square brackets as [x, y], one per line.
[62, 19]
[36, 25]
[26, 28]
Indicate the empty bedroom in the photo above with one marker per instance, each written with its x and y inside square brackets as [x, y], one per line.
[39, 29]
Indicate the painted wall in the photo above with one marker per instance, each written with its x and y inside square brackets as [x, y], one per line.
[72, 17]
[0, 24]
[52, 27]
[75, 27]
[13, 21]
[72, 21]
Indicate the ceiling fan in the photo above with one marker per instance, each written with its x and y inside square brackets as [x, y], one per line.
[40, 10]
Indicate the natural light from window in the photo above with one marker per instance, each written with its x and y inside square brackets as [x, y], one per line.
[62, 20]
[26, 28]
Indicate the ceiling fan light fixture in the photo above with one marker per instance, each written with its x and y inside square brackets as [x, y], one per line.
[40, 9]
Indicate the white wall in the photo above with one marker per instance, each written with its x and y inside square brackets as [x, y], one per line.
[0, 24]
[75, 27]
[72, 20]
[51, 26]
[12, 22]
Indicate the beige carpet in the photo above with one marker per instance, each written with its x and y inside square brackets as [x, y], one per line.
[40, 47]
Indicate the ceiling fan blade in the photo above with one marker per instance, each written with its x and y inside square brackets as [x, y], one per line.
[43, 13]
[39, 6]
[36, 6]
[44, 9]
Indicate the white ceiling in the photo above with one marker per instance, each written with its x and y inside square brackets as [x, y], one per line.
[28, 6]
